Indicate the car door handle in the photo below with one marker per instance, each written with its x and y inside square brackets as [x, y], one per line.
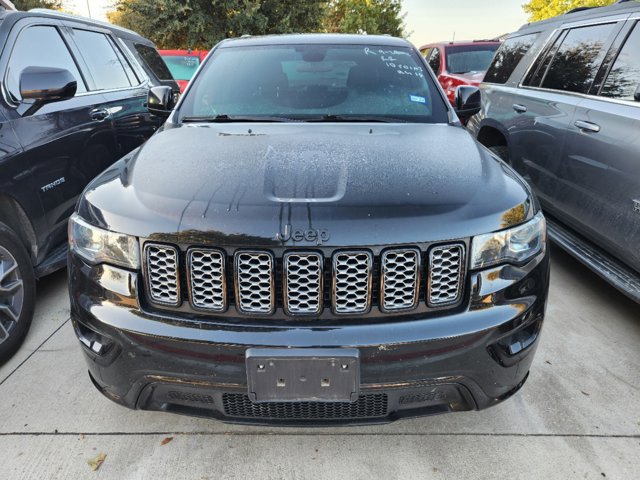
[99, 114]
[587, 126]
[519, 108]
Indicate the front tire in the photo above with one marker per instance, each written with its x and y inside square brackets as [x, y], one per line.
[17, 293]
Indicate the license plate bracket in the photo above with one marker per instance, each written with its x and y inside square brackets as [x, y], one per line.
[303, 374]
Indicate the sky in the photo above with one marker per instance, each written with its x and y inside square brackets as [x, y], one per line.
[435, 20]
[89, 8]
[428, 20]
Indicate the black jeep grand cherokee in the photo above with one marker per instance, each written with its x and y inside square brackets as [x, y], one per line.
[311, 238]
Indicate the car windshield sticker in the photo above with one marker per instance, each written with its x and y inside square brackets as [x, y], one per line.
[417, 98]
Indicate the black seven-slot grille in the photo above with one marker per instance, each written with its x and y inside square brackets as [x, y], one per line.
[351, 272]
[373, 405]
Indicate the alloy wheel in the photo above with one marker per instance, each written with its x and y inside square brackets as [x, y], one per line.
[11, 293]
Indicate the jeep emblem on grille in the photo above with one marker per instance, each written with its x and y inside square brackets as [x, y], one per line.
[318, 235]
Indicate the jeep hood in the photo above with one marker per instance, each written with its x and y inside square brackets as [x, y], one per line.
[365, 184]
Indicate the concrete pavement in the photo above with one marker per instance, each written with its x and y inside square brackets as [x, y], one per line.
[578, 416]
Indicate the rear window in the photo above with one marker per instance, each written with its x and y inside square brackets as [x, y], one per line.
[578, 59]
[182, 67]
[304, 81]
[153, 61]
[623, 81]
[469, 58]
[508, 57]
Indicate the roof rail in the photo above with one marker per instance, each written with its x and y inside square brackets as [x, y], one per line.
[70, 16]
[578, 9]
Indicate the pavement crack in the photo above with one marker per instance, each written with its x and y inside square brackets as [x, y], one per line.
[36, 350]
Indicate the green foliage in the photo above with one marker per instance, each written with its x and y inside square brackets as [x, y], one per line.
[202, 23]
[365, 16]
[543, 9]
[29, 4]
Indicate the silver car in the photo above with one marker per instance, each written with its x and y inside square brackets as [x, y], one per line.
[561, 104]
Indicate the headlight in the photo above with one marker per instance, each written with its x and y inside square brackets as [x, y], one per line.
[514, 245]
[96, 245]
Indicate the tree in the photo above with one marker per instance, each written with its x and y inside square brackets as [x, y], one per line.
[542, 9]
[29, 4]
[365, 16]
[202, 23]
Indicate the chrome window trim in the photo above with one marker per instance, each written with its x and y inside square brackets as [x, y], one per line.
[629, 103]
[111, 90]
[618, 17]
[225, 299]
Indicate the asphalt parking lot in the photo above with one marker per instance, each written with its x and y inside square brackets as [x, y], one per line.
[578, 416]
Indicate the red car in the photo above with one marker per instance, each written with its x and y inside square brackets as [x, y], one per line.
[183, 64]
[459, 63]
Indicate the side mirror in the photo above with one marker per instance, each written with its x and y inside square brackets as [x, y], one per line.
[467, 101]
[160, 101]
[45, 85]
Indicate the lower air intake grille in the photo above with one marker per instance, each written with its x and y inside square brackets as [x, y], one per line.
[162, 273]
[445, 275]
[367, 406]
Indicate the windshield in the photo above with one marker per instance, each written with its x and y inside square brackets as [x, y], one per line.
[469, 58]
[182, 67]
[315, 82]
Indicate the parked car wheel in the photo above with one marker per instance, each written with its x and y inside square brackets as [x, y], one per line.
[17, 293]
[501, 151]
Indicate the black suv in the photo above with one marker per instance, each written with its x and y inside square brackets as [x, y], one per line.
[334, 246]
[72, 102]
[561, 104]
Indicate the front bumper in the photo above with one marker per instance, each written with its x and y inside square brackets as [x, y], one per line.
[469, 360]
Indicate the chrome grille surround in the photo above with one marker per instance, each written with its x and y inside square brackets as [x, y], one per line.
[254, 279]
[396, 274]
[400, 278]
[207, 279]
[303, 274]
[351, 276]
[161, 268]
[445, 276]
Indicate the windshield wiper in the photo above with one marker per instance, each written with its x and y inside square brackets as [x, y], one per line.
[354, 118]
[223, 118]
